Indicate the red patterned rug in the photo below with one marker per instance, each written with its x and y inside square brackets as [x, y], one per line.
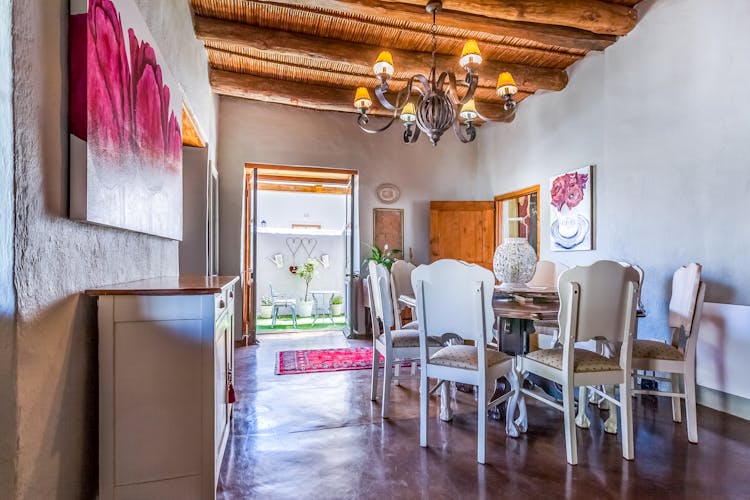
[324, 360]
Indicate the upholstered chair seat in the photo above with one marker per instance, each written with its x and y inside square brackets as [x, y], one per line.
[653, 349]
[584, 361]
[466, 357]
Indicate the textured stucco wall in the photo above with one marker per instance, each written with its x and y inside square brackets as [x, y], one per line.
[8, 430]
[58, 258]
[664, 116]
[269, 133]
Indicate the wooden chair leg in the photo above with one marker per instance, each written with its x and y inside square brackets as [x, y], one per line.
[626, 415]
[570, 426]
[375, 370]
[424, 403]
[676, 403]
[481, 422]
[690, 405]
[387, 380]
[397, 373]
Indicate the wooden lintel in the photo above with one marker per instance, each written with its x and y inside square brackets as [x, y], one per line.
[528, 78]
[303, 188]
[305, 179]
[591, 15]
[548, 34]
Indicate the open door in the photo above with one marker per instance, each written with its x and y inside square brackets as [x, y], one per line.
[249, 256]
[351, 258]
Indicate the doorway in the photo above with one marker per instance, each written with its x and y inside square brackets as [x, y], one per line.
[299, 245]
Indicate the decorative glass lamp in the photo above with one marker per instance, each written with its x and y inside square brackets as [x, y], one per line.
[514, 262]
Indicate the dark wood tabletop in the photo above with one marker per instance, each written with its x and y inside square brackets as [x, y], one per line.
[168, 285]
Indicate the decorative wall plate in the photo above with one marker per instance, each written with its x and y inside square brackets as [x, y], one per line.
[388, 193]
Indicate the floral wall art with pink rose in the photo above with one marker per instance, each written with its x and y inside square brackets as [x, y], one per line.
[125, 122]
[570, 213]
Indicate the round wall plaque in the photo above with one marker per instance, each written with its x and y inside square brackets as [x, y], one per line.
[388, 193]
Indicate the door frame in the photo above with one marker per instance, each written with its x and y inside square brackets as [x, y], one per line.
[499, 199]
[266, 172]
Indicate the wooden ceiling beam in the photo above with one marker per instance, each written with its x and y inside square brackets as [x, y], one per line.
[558, 36]
[590, 15]
[528, 78]
[311, 96]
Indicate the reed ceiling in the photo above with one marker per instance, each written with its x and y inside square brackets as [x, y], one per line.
[314, 54]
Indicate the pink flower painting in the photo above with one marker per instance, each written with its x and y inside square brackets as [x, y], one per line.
[133, 142]
[570, 216]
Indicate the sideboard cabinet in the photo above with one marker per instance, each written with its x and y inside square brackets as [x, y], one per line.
[166, 356]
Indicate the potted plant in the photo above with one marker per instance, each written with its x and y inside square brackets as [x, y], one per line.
[307, 272]
[337, 305]
[387, 256]
[266, 307]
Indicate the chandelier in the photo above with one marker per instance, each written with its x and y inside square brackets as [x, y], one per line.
[438, 106]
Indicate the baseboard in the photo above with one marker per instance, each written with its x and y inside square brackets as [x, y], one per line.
[721, 401]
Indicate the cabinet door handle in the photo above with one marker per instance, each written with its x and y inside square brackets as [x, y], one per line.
[222, 304]
[231, 294]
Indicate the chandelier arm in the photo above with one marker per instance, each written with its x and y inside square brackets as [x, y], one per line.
[380, 93]
[487, 119]
[464, 136]
[362, 121]
[469, 92]
[424, 82]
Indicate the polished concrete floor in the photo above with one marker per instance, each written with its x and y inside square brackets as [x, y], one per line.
[319, 436]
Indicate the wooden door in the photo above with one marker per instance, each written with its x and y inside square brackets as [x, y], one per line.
[463, 230]
[249, 259]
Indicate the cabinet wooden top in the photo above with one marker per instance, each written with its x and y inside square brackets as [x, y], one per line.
[168, 285]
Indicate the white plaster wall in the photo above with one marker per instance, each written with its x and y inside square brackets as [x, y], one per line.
[664, 116]
[281, 209]
[8, 429]
[57, 258]
[269, 133]
[285, 282]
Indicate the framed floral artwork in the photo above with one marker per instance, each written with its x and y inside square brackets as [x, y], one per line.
[571, 199]
[125, 122]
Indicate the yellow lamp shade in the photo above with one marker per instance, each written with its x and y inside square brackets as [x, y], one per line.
[471, 57]
[506, 85]
[409, 113]
[384, 64]
[469, 111]
[362, 99]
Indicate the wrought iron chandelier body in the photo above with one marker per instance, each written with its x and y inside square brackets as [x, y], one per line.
[439, 106]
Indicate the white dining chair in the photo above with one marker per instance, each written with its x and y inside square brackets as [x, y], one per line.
[610, 425]
[596, 302]
[456, 297]
[401, 285]
[546, 274]
[677, 357]
[396, 346]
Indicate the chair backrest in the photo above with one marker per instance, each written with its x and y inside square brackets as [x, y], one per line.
[546, 273]
[641, 277]
[454, 297]
[400, 285]
[598, 302]
[380, 295]
[682, 305]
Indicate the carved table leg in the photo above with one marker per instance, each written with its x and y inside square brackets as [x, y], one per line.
[582, 420]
